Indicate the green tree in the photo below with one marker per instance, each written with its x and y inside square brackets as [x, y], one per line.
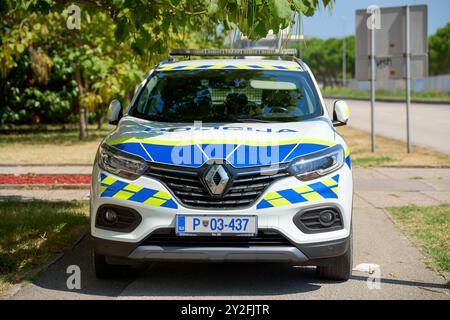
[439, 51]
[66, 72]
[35, 78]
[325, 58]
[124, 38]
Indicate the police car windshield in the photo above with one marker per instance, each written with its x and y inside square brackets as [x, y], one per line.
[228, 95]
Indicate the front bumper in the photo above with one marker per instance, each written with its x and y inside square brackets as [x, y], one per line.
[295, 253]
[272, 215]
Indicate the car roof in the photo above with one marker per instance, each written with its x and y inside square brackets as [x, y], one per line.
[231, 64]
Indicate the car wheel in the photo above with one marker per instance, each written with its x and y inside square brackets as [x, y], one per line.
[104, 270]
[341, 268]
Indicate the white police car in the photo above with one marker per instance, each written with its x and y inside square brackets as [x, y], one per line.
[224, 160]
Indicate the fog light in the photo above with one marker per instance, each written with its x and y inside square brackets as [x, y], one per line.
[326, 217]
[318, 219]
[117, 218]
[110, 216]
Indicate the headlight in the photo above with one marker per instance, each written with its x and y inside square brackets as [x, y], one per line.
[120, 163]
[317, 164]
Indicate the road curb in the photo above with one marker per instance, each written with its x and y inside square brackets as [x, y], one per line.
[44, 174]
[45, 165]
[406, 167]
[35, 272]
[44, 186]
[435, 102]
[426, 256]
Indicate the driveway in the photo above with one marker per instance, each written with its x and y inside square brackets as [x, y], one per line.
[377, 241]
[430, 124]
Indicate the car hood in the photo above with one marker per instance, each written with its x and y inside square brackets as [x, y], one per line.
[239, 144]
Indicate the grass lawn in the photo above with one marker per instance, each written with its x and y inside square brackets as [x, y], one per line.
[430, 226]
[389, 151]
[400, 95]
[52, 145]
[49, 145]
[33, 232]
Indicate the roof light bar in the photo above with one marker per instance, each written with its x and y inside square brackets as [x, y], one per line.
[234, 52]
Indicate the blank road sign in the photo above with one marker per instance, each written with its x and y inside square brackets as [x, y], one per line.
[390, 43]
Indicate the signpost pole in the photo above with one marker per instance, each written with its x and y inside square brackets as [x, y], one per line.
[280, 39]
[408, 78]
[344, 56]
[344, 63]
[372, 83]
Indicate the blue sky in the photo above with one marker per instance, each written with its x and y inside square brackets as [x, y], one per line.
[325, 25]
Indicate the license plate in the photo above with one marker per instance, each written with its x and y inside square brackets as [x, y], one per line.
[216, 225]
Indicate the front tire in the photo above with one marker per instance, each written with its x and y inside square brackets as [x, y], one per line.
[341, 268]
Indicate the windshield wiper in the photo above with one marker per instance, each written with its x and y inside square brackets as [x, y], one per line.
[252, 120]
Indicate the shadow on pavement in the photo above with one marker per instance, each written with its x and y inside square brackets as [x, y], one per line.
[51, 284]
[15, 198]
[184, 280]
[222, 279]
[171, 279]
[406, 283]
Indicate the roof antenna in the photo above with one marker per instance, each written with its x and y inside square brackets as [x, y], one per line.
[280, 38]
[300, 33]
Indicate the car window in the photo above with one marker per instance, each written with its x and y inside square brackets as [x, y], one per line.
[223, 95]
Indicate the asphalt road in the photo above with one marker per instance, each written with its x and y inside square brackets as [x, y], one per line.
[377, 241]
[430, 124]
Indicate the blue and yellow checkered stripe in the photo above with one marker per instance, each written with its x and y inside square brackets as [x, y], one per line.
[326, 189]
[238, 153]
[117, 189]
[230, 66]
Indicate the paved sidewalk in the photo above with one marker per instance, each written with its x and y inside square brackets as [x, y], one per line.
[44, 194]
[385, 187]
[39, 169]
[378, 187]
[377, 241]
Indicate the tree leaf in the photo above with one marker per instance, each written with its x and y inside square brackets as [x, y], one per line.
[122, 30]
[281, 9]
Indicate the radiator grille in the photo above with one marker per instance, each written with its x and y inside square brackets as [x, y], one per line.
[245, 185]
[167, 237]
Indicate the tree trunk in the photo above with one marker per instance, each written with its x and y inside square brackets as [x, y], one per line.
[83, 111]
[86, 118]
[101, 118]
[325, 81]
[129, 97]
[83, 127]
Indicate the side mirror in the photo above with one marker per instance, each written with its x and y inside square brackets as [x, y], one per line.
[341, 113]
[115, 111]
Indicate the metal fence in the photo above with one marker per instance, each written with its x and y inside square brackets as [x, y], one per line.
[438, 83]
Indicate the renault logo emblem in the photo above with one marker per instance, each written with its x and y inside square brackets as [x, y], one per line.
[216, 179]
